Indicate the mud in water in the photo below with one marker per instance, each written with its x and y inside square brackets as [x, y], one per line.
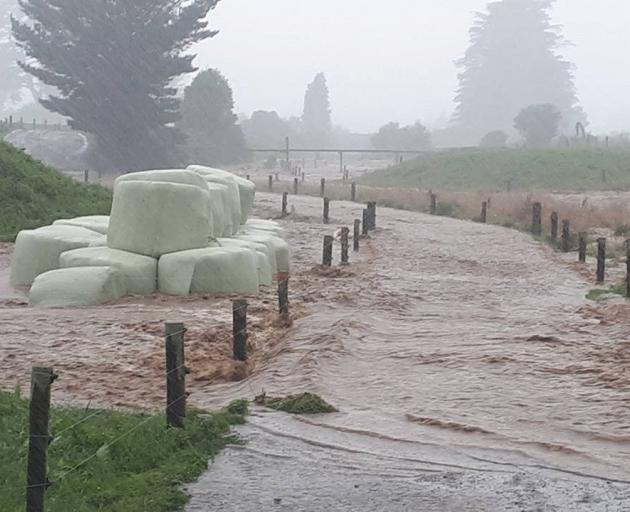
[469, 370]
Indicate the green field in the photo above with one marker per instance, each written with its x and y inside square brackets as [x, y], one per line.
[132, 462]
[33, 195]
[477, 169]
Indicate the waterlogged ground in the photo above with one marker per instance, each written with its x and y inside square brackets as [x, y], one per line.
[470, 372]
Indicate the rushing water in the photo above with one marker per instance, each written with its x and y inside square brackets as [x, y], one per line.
[453, 347]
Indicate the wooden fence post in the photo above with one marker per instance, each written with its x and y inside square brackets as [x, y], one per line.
[322, 187]
[366, 222]
[353, 192]
[295, 186]
[326, 210]
[372, 215]
[86, 176]
[484, 212]
[285, 200]
[433, 208]
[283, 297]
[554, 226]
[345, 235]
[537, 219]
[39, 438]
[270, 183]
[582, 248]
[627, 268]
[356, 234]
[248, 177]
[175, 375]
[239, 329]
[566, 236]
[277, 176]
[328, 249]
[601, 260]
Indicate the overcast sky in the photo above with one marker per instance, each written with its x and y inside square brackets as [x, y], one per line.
[395, 60]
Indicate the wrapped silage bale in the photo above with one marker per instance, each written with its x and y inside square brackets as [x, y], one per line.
[220, 270]
[156, 218]
[140, 272]
[98, 223]
[277, 244]
[77, 287]
[221, 201]
[37, 251]
[235, 195]
[99, 242]
[247, 189]
[254, 225]
[181, 176]
[264, 255]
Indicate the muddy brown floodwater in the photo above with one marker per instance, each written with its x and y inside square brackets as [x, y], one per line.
[470, 372]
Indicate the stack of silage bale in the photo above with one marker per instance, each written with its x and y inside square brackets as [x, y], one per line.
[178, 232]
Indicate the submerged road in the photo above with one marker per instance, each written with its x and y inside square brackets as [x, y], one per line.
[470, 372]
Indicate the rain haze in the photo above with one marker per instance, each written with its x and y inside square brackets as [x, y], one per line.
[396, 61]
[325, 256]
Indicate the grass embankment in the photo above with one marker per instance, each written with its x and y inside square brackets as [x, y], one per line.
[543, 169]
[34, 195]
[143, 468]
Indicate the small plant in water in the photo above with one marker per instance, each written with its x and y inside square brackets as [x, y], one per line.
[304, 403]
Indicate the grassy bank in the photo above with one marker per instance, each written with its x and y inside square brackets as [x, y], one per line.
[33, 195]
[544, 169]
[142, 470]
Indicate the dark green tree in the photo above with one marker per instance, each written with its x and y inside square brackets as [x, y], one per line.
[208, 122]
[316, 121]
[513, 62]
[393, 136]
[538, 124]
[113, 63]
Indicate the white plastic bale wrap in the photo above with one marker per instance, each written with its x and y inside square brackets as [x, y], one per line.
[221, 201]
[264, 255]
[276, 244]
[37, 251]
[218, 270]
[257, 225]
[77, 287]
[139, 272]
[181, 176]
[247, 189]
[98, 223]
[156, 218]
[227, 179]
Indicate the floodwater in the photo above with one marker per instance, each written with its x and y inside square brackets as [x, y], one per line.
[470, 373]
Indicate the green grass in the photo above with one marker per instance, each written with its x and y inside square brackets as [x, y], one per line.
[304, 403]
[477, 169]
[34, 195]
[143, 471]
[615, 289]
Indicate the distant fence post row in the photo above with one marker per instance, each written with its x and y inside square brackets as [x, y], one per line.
[10, 123]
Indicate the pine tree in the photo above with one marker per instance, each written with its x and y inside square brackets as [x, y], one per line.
[213, 136]
[316, 122]
[512, 62]
[113, 63]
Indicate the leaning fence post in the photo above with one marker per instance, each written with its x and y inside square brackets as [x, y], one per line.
[270, 186]
[175, 375]
[322, 187]
[353, 192]
[554, 226]
[39, 438]
[433, 209]
[566, 236]
[601, 260]
[356, 234]
[366, 222]
[328, 248]
[326, 210]
[295, 186]
[582, 248]
[537, 219]
[239, 329]
[345, 235]
[283, 296]
[371, 206]
[285, 200]
[484, 212]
